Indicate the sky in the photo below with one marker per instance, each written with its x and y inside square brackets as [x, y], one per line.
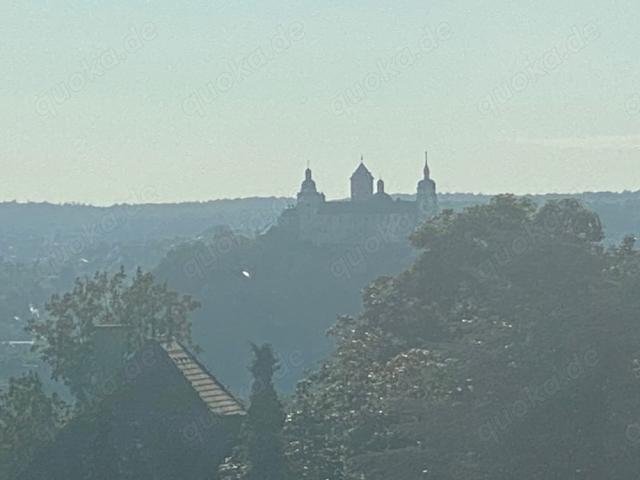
[158, 101]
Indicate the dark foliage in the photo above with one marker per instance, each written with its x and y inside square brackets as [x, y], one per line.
[509, 350]
[260, 455]
[29, 420]
[65, 336]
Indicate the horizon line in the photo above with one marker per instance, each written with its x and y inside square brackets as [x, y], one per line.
[282, 197]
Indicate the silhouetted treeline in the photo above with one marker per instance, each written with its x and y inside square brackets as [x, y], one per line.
[42, 230]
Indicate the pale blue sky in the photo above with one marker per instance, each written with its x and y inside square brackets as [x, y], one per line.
[118, 101]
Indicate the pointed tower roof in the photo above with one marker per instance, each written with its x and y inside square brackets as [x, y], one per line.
[362, 170]
[426, 171]
[426, 181]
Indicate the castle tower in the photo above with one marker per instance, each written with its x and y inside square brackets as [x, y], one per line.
[361, 183]
[426, 197]
[308, 204]
[308, 195]
[380, 193]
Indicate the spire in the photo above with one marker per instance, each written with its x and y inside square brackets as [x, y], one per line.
[361, 158]
[380, 186]
[307, 174]
[427, 173]
[426, 196]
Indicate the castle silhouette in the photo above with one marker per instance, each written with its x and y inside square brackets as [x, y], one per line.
[365, 217]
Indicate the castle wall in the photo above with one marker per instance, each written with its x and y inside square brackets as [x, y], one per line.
[353, 228]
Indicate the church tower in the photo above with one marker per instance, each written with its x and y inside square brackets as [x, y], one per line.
[361, 183]
[426, 197]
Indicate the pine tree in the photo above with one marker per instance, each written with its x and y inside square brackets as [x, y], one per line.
[262, 434]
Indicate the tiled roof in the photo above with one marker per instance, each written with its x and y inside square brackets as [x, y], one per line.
[212, 393]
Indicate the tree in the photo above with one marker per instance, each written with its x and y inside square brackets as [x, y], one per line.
[65, 335]
[506, 351]
[265, 418]
[29, 420]
[353, 406]
[260, 455]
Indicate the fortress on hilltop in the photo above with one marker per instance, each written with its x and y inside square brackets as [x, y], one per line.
[365, 217]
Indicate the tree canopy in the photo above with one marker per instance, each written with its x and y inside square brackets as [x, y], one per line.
[29, 419]
[508, 350]
[64, 336]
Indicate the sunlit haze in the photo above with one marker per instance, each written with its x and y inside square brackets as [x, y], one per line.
[105, 102]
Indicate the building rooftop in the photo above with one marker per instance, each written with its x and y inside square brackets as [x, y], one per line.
[217, 398]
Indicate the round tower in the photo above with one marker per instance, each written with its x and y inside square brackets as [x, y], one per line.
[308, 196]
[309, 202]
[380, 193]
[426, 196]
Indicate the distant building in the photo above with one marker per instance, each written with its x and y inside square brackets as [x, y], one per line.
[364, 216]
[161, 416]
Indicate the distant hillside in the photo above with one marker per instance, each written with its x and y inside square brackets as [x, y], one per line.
[272, 289]
[292, 296]
[43, 230]
[294, 291]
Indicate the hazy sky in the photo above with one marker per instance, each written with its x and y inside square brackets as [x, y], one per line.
[118, 101]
